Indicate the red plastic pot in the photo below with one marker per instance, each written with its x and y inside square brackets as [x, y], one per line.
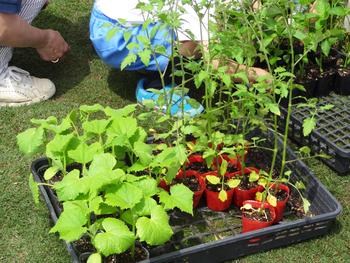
[281, 205]
[195, 158]
[213, 201]
[233, 161]
[240, 195]
[164, 185]
[198, 194]
[249, 224]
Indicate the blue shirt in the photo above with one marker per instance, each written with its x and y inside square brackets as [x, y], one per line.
[10, 6]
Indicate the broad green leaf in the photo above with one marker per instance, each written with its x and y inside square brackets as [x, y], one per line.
[180, 196]
[148, 186]
[123, 112]
[71, 186]
[51, 172]
[116, 239]
[95, 258]
[308, 125]
[126, 126]
[96, 126]
[29, 141]
[272, 200]
[102, 163]
[84, 153]
[144, 152]
[213, 179]
[274, 108]
[144, 208]
[253, 177]
[155, 230]
[52, 120]
[306, 205]
[58, 145]
[99, 181]
[222, 195]
[100, 207]
[124, 196]
[71, 223]
[91, 108]
[34, 189]
[233, 183]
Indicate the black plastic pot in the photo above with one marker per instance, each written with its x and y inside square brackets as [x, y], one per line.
[194, 246]
[325, 84]
[342, 83]
[84, 256]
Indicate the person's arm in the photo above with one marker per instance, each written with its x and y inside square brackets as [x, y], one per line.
[15, 32]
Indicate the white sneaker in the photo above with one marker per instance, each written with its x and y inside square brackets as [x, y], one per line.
[18, 88]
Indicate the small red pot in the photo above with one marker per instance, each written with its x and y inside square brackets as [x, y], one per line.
[195, 158]
[241, 195]
[213, 201]
[198, 194]
[281, 205]
[233, 161]
[251, 225]
[164, 185]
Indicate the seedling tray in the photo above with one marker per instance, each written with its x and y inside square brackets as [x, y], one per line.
[216, 236]
[332, 133]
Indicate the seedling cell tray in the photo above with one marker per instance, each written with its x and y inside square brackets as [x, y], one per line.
[216, 236]
[332, 133]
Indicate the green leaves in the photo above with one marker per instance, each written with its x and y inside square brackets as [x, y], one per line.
[85, 153]
[124, 196]
[30, 140]
[308, 125]
[94, 258]
[213, 179]
[71, 223]
[154, 230]
[116, 239]
[70, 186]
[180, 196]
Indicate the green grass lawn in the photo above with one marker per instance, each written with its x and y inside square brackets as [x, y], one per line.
[83, 79]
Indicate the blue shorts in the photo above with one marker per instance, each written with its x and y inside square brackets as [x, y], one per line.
[10, 6]
[114, 50]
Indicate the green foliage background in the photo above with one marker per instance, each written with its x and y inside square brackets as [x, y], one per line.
[83, 79]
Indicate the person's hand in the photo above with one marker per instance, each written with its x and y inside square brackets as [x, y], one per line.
[54, 47]
[254, 73]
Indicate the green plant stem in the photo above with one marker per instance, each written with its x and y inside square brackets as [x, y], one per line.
[289, 112]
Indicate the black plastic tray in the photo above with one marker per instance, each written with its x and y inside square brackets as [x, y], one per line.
[231, 244]
[332, 133]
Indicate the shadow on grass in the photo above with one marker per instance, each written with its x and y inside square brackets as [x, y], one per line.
[123, 83]
[74, 67]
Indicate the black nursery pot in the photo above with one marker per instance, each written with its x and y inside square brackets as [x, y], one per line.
[342, 82]
[310, 86]
[325, 84]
